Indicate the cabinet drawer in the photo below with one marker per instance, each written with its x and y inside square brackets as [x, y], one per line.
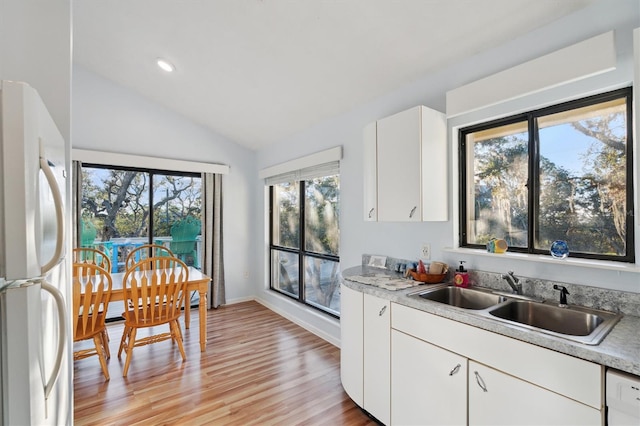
[496, 398]
[573, 377]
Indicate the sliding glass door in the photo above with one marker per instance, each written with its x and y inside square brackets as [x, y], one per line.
[122, 209]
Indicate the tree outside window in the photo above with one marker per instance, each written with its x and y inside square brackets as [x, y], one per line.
[124, 208]
[561, 173]
[305, 239]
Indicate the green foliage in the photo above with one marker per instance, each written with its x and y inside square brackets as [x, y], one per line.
[322, 215]
[501, 173]
[321, 235]
[286, 215]
[117, 201]
[586, 209]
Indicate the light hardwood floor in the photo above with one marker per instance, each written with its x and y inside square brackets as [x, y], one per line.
[258, 369]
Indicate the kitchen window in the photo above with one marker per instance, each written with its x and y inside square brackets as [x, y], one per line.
[560, 173]
[305, 236]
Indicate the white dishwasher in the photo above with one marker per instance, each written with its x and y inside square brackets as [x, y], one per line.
[623, 399]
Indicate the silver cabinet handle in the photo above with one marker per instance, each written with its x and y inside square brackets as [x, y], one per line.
[413, 210]
[455, 370]
[382, 311]
[371, 212]
[480, 381]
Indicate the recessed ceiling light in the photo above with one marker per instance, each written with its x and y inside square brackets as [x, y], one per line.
[165, 65]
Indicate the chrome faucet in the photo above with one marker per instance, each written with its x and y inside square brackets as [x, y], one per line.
[513, 282]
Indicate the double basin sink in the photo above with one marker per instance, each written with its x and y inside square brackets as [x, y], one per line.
[579, 324]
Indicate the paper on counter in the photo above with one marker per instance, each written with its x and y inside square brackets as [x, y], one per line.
[384, 281]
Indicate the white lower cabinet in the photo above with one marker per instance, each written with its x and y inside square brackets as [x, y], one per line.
[504, 381]
[428, 383]
[496, 398]
[408, 367]
[351, 343]
[365, 351]
[429, 387]
[377, 356]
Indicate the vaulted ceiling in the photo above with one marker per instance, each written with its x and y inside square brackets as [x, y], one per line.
[258, 71]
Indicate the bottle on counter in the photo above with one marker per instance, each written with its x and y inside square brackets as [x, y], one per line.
[461, 277]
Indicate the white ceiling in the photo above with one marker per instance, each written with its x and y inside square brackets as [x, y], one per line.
[258, 71]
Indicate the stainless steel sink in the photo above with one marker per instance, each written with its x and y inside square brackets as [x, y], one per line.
[580, 324]
[461, 297]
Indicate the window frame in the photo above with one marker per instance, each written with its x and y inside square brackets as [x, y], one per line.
[151, 173]
[533, 162]
[194, 298]
[301, 252]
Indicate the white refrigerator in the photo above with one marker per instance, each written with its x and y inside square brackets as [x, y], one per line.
[35, 345]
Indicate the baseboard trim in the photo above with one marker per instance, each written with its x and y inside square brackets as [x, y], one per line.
[304, 324]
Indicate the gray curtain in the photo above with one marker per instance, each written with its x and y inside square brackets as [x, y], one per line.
[213, 248]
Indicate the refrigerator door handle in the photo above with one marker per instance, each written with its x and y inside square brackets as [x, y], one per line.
[58, 202]
[62, 336]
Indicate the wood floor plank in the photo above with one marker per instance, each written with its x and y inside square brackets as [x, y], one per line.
[258, 369]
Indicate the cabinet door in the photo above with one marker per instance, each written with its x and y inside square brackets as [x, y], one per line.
[435, 189]
[399, 173]
[377, 357]
[351, 346]
[428, 383]
[370, 175]
[496, 398]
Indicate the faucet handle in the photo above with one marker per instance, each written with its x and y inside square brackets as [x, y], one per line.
[563, 294]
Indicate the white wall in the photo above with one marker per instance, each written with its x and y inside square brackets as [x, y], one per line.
[404, 240]
[35, 47]
[109, 117]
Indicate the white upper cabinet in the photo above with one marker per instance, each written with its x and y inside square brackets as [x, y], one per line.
[399, 175]
[370, 173]
[410, 183]
[435, 203]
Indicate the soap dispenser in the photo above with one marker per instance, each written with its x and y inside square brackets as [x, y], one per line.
[461, 277]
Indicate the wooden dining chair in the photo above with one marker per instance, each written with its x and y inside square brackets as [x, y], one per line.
[96, 257]
[153, 297]
[144, 252]
[91, 255]
[91, 294]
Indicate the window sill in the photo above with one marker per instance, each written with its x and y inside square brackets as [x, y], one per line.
[573, 262]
